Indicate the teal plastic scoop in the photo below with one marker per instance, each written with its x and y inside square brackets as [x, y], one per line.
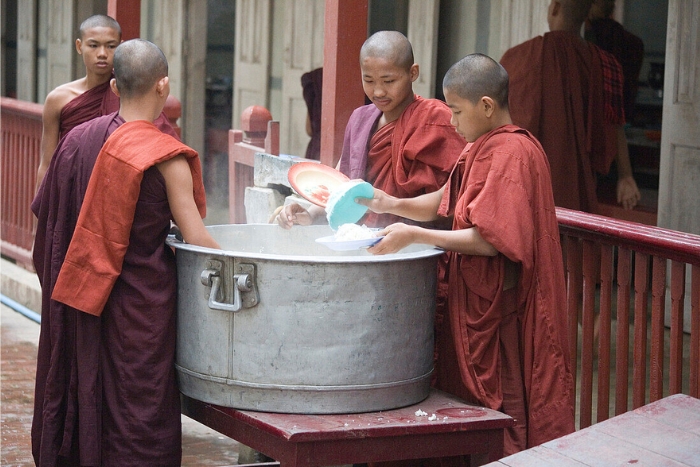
[342, 208]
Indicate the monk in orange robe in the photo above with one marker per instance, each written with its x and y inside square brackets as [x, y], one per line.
[568, 93]
[106, 392]
[73, 103]
[505, 345]
[400, 143]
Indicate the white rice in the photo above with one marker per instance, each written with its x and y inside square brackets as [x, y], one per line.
[350, 232]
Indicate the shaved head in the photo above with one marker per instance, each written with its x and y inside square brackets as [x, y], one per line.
[138, 65]
[575, 11]
[99, 21]
[603, 8]
[475, 76]
[389, 45]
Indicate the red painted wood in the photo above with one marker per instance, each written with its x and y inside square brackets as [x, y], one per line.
[258, 133]
[656, 356]
[671, 244]
[604, 330]
[675, 383]
[590, 277]
[624, 265]
[128, 15]
[297, 439]
[695, 333]
[20, 127]
[345, 31]
[639, 369]
[572, 259]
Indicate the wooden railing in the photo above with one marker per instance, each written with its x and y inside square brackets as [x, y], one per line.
[617, 278]
[258, 133]
[21, 148]
[20, 131]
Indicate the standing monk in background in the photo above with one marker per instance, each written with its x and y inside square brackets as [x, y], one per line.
[628, 49]
[312, 86]
[106, 391]
[71, 104]
[568, 93]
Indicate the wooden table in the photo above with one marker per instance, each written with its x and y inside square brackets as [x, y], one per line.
[663, 433]
[450, 428]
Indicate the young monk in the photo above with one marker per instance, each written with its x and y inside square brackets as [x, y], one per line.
[73, 103]
[106, 392]
[505, 334]
[400, 143]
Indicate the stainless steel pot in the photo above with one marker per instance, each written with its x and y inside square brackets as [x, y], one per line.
[276, 322]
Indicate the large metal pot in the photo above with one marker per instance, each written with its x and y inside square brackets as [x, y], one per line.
[276, 322]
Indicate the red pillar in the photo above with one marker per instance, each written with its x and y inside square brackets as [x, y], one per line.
[345, 31]
[128, 15]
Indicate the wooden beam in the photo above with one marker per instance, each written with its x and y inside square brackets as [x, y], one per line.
[128, 15]
[345, 31]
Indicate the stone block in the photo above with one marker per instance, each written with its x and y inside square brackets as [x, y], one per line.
[260, 204]
[270, 171]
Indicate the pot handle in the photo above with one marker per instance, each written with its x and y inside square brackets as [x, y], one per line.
[243, 283]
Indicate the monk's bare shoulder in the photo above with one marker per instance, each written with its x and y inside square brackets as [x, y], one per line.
[62, 95]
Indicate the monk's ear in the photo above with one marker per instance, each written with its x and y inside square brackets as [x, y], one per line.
[113, 86]
[556, 8]
[488, 105]
[414, 72]
[162, 86]
[78, 44]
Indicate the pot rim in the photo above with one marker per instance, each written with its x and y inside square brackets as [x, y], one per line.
[417, 251]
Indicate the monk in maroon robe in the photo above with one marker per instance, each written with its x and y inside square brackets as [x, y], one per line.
[407, 157]
[568, 93]
[400, 143]
[611, 36]
[75, 102]
[505, 345]
[106, 392]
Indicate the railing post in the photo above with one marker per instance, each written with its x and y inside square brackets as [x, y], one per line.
[258, 133]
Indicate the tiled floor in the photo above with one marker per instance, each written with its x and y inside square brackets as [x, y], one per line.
[201, 446]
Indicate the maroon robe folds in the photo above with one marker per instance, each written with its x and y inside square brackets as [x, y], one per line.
[627, 48]
[413, 156]
[96, 102]
[556, 91]
[93, 103]
[509, 347]
[106, 392]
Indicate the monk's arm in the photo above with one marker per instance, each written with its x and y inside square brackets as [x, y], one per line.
[627, 192]
[179, 187]
[464, 241]
[294, 213]
[50, 118]
[422, 208]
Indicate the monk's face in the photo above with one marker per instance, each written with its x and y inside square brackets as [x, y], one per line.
[469, 119]
[97, 47]
[388, 86]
